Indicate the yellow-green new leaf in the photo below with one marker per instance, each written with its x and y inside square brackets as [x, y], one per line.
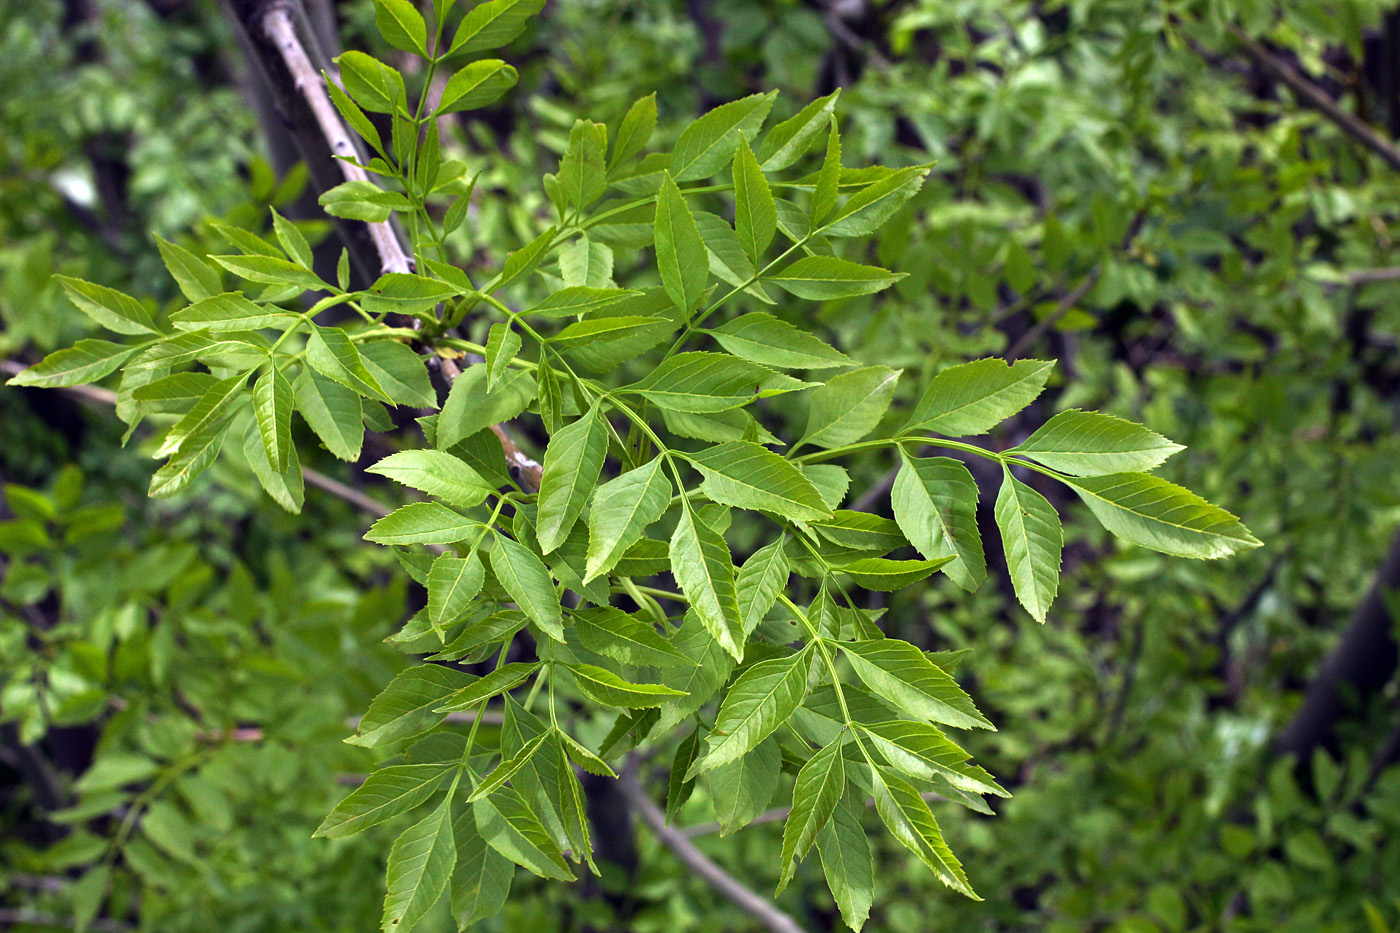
[86, 361]
[755, 216]
[1156, 514]
[453, 583]
[1032, 539]
[847, 862]
[789, 141]
[764, 339]
[408, 705]
[821, 278]
[107, 306]
[422, 523]
[477, 85]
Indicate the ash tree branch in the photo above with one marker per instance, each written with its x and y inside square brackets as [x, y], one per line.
[274, 31]
[680, 845]
[1318, 99]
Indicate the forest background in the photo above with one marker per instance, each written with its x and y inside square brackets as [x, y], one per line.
[1189, 206]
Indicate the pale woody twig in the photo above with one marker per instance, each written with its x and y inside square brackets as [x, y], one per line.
[680, 845]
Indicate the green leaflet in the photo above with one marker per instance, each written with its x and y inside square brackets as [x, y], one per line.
[1156, 514]
[507, 824]
[588, 263]
[763, 576]
[493, 24]
[867, 210]
[436, 473]
[452, 585]
[270, 270]
[422, 523]
[973, 398]
[789, 141]
[330, 352]
[332, 411]
[115, 311]
[605, 687]
[470, 407]
[847, 861]
[766, 340]
[385, 794]
[706, 671]
[406, 293]
[755, 216]
[230, 312]
[701, 564]
[886, 576]
[624, 638]
[848, 406]
[902, 674]
[909, 820]
[710, 382]
[582, 177]
[498, 681]
[400, 373]
[1032, 539]
[828, 180]
[820, 786]
[708, 144]
[502, 346]
[635, 131]
[922, 751]
[482, 876]
[478, 84]
[207, 416]
[572, 462]
[622, 510]
[406, 706]
[935, 504]
[680, 253]
[741, 790]
[196, 278]
[371, 83]
[287, 487]
[85, 361]
[748, 476]
[420, 865]
[508, 768]
[525, 578]
[272, 404]
[1087, 443]
[401, 25]
[761, 699]
[861, 531]
[822, 278]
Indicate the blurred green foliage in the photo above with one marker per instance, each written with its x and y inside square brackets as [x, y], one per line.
[1127, 147]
